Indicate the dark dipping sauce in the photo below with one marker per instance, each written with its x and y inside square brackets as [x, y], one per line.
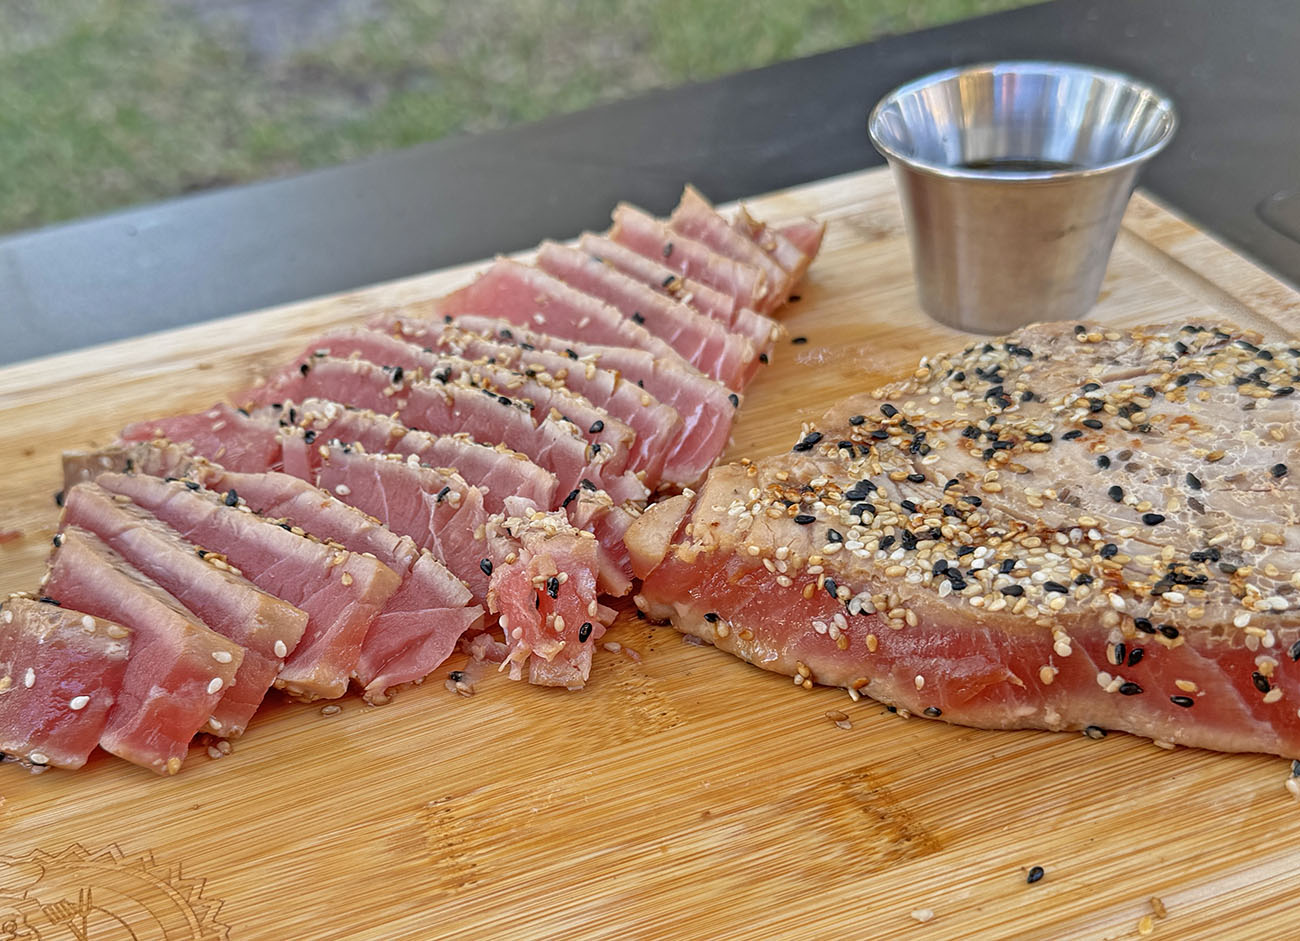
[1019, 165]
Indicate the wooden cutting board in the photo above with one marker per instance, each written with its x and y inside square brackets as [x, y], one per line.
[684, 794]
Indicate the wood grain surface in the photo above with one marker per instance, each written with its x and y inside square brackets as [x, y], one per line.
[684, 794]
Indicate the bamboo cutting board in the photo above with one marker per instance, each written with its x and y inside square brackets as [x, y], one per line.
[684, 794]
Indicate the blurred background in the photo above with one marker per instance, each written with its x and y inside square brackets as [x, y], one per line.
[106, 103]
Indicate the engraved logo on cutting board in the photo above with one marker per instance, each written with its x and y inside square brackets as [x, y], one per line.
[76, 895]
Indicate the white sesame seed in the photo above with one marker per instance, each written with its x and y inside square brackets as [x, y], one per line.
[215, 685]
[77, 703]
[38, 758]
[87, 622]
[280, 649]
[222, 656]
[919, 681]
[29, 678]
[343, 490]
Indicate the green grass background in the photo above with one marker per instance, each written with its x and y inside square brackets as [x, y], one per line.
[104, 103]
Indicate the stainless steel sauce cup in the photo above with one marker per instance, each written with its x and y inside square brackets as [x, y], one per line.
[1014, 177]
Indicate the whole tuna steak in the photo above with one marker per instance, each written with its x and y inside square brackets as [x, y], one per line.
[1067, 528]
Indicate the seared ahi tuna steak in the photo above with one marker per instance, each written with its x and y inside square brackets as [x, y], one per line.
[1070, 527]
[60, 673]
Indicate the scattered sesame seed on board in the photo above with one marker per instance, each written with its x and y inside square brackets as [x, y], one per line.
[922, 914]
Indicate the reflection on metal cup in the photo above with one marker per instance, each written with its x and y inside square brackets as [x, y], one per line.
[1014, 177]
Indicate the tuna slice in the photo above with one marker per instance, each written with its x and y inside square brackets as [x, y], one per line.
[342, 592]
[704, 343]
[420, 623]
[609, 437]
[689, 258]
[222, 434]
[544, 590]
[706, 408]
[1079, 534]
[531, 298]
[655, 424]
[178, 669]
[437, 509]
[696, 218]
[224, 600]
[760, 329]
[793, 247]
[496, 470]
[449, 408]
[60, 673]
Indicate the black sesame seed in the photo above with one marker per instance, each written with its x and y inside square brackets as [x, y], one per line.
[763, 358]
[1072, 434]
[1103, 462]
[584, 632]
[1006, 566]
[1129, 689]
[456, 676]
[1091, 387]
[1278, 470]
[304, 368]
[964, 550]
[486, 566]
[810, 439]
[1193, 481]
[1056, 587]
[799, 341]
[833, 535]
[596, 427]
[916, 478]
[573, 495]
[734, 399]
[1026, 396]
[1091, 423]
[1143, 625]
[1261, 682]
[46, 599]
[1153, 519]
[1109, 550]
[908, 506]
[397, 374]
[1035, 874]
[1120, 653]
[1083, 578]
[1014, 590]
[1168, 630]
[888, 410]
[832, 588]
[803, 519]
[553, 586]
[1185, 701]
[1116, 493]
[1135, 656]
[1227, 568]
[587, 485]
[933, 711]
[942, 566]
[232, 498]
[888, 541]
[58, 498]
[857, 420]
[1295, 650]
